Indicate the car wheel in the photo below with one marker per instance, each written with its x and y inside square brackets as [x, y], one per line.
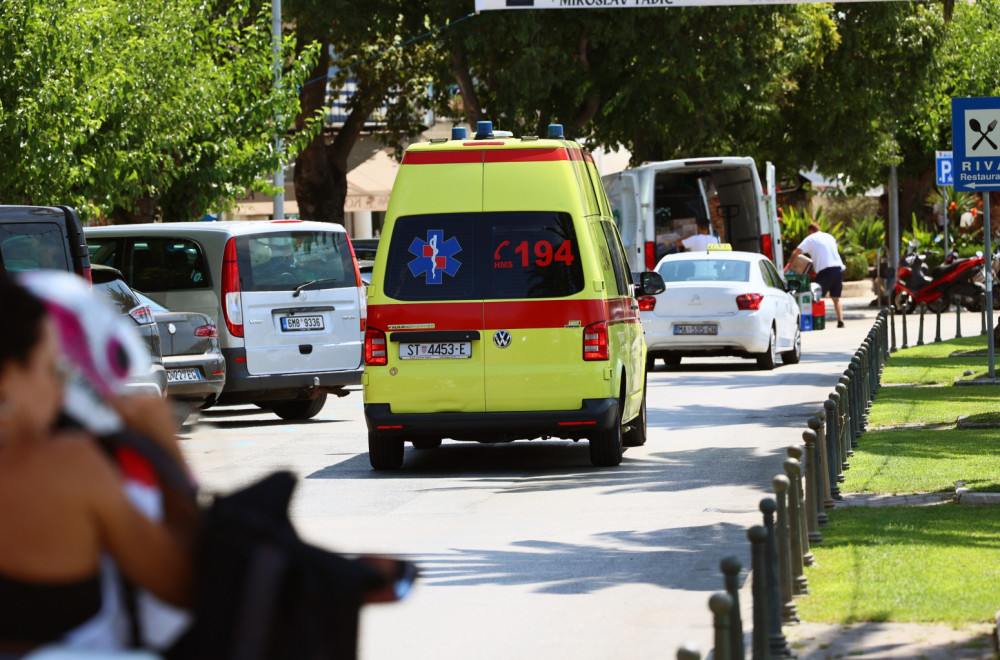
[768, 358]
[426, 443]
[793, 356]
[672, 360]
[606, 446]
[385, 453]
[300, 409]
[635, 436]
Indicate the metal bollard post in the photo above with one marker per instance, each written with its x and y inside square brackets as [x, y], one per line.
[849, 411]
[689, 651]
[937, 331]
[958, 321]
[800, 585]
[761, 646]
[777, 642]
[796, 452]
[982, 313]
[731, 570]
[857, 396]
[721, 605]
[920, 332]
[825, 500]
[789, 611]
[813, 485]
[903, 320]
[832, 446]
[845, 425]
[892, 328]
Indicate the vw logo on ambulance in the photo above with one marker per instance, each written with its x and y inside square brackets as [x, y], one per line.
[501, 338]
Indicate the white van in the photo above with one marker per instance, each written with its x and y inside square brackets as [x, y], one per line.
[659, 203]
[286, 296]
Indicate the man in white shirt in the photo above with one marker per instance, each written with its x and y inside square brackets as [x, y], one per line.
[822, 247]
[698, 242]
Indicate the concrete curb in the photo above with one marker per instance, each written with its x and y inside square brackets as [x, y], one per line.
[965, 496]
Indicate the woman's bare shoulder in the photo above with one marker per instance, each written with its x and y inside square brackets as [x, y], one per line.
[79, 453]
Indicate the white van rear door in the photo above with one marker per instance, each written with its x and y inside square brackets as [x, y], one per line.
[623, 196]
[774, 227]
[301, 303]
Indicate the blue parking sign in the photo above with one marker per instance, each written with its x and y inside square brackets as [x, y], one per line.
[944, 168]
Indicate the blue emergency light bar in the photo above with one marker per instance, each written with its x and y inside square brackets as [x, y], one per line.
[556, 132]
[459, 132]
[484, 130]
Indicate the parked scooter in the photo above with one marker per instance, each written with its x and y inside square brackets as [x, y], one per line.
[980, 279]
[937, 289]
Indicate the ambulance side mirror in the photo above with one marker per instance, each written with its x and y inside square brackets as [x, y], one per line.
[651, 283]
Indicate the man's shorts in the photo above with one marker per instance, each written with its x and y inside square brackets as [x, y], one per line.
[832, 281]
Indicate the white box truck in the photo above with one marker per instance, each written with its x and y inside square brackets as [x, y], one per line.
[658, 203]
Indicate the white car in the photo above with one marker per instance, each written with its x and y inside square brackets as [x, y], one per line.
[721, 303]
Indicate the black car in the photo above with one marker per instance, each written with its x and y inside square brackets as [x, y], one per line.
[37, 237]
[365, 248]
[109, 283]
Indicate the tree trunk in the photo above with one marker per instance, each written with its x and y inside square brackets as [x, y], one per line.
[314, 180]
[473, 113]
[145, 212]
[337, 153]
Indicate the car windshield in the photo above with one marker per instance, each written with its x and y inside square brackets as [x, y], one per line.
[286, 260]
[705, 270]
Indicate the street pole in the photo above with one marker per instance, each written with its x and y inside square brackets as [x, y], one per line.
[893, 229]
[279, 174]
[944, 196]
[989, 281]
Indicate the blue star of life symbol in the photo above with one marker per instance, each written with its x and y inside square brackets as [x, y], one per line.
[435, 256]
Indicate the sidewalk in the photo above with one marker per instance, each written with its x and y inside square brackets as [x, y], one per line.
[889, 640]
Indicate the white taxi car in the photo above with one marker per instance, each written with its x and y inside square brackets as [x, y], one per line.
[721, 302]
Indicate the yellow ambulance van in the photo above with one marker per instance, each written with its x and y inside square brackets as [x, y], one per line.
[501, 305]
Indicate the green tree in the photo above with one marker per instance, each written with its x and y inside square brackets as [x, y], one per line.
[140, 109]
[363, 42]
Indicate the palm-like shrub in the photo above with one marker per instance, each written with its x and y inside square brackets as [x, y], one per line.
[865, 237]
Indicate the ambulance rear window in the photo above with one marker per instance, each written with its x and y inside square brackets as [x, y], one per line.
[533, 255]
[477, 256]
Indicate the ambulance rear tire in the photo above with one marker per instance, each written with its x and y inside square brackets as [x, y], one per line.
[636, 434]
[385, 453]
[672, 359]
[606, 447]
[426, 443]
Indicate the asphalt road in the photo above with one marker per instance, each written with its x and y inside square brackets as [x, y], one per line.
[528, 551]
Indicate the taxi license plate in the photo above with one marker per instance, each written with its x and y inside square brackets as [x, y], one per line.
[302, 323]
[182, 375]
[435, 350]
[696, 329]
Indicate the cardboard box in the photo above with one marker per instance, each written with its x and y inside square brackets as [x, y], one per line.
[800, 264]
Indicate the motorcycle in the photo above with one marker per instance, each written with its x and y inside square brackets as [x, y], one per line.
[980, 279]
[938, 288]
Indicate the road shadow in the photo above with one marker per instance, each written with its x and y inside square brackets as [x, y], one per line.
[706, 416]
[688, 558]
[550, 466]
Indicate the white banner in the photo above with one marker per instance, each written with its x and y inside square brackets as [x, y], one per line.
[483, 5]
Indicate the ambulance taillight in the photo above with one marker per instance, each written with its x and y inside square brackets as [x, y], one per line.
[375, 348]
[595, 341]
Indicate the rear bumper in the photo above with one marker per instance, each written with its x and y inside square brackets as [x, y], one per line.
[208, 388]
[593, 415]
[243, 387]
[740, 333]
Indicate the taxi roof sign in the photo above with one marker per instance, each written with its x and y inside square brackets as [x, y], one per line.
[719, 247]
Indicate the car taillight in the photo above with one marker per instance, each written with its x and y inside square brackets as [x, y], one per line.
[375, 350]
[142, 314]
[768, 249]
[232, 305]
[646, 303]
[595, 341]
[206, 331]
[749, 301]
[357, 267]
[650, 255]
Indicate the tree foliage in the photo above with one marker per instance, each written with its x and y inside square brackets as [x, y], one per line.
[139, 109]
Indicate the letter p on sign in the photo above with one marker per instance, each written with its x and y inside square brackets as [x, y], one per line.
[944, 168]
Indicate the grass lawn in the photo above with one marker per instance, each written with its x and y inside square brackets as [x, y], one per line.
[925, 461]
[901, 406]
[910, 564]
[931, 364]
